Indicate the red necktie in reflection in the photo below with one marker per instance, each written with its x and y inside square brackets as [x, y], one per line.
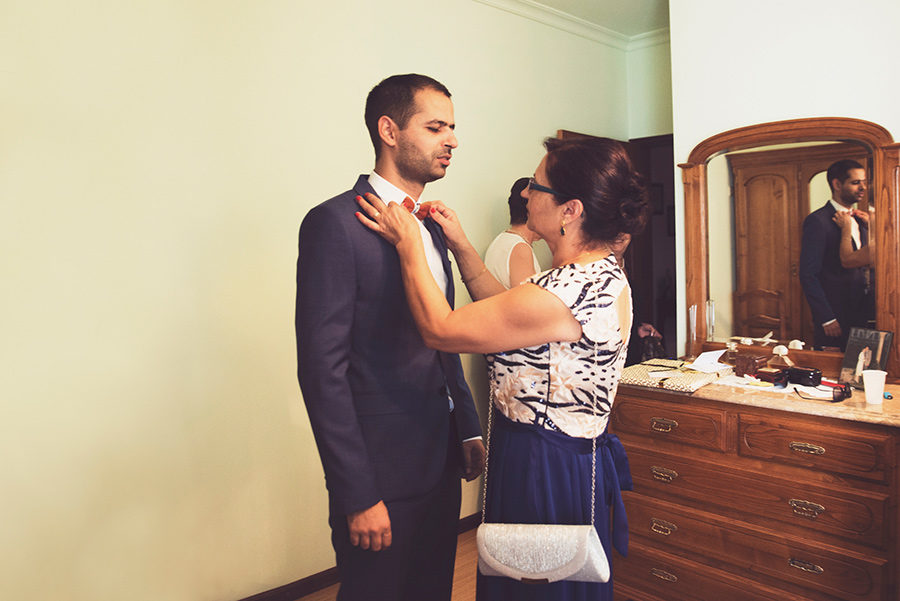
[410, 205]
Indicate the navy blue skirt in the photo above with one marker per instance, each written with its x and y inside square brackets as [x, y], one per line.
[538, 476]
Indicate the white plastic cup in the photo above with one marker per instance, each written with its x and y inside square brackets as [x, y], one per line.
[873, 382]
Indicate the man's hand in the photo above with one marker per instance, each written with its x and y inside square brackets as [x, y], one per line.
[473, 458]
[833, 329]
[647, 329]
[370, 528]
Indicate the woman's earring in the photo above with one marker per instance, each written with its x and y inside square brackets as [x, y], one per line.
[562, 229]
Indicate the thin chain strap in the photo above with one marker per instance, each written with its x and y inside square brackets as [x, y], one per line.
[487, 454]
[593, 471]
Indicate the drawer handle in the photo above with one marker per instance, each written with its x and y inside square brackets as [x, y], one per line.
[664, 575]
[807, 509]
[662, 474]
[808, 448]
[805, 566]
[662, 527]
[661, 424]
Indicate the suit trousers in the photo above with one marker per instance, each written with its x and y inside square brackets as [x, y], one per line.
[419, 564]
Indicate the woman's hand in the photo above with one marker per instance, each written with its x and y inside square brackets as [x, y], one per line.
[843, 219]
[391, 221]
[449, 222]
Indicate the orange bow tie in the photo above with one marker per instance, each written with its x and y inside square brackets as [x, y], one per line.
[410, 205]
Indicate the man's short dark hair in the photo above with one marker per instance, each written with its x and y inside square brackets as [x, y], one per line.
[395, 97]
[840, 171]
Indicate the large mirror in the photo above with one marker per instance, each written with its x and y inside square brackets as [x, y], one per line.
[758, 199]
[720, 260]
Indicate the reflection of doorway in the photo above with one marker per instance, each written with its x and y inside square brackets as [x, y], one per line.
[771, 197]
[650, 259]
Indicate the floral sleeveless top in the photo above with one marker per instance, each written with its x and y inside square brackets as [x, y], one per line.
[569, 386]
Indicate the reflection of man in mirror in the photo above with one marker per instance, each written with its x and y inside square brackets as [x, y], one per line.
[838, 295]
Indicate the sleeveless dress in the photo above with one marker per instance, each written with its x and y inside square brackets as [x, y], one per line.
[549, 402]
[496, 257]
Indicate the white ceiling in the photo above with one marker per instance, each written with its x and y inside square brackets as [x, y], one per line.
[626, 17]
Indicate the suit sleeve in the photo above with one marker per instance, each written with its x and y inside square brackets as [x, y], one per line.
[326, 293]
[812, 255]
[467, 423]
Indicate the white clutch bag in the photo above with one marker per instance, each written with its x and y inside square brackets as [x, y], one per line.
[541, 553]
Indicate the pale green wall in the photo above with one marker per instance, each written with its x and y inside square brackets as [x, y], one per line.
[742, 63]
[156, 158]
[649, 90]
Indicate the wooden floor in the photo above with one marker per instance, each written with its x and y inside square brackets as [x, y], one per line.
[463, 576]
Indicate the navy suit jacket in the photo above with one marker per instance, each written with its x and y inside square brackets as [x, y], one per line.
[832, 291]
[375, 394]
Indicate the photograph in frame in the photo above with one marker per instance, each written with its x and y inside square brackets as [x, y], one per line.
[866, 349]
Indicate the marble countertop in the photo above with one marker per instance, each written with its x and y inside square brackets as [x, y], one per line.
[853, 409]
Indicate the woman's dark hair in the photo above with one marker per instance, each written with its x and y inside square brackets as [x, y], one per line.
[598, 172]
[518, 211]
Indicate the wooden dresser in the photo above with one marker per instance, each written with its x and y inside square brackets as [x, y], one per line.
[751, 495]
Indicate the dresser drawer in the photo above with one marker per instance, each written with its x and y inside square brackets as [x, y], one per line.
[697, 427]
[802, 509]
[842, 451]
[807, 566]
[676, 579]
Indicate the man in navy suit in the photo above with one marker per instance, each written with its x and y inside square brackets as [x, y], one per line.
[394, 421]
[838, 297]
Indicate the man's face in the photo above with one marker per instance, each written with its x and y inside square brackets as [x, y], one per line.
[853, 189]
[425, 145]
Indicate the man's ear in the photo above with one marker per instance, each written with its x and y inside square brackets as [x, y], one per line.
[387, 131]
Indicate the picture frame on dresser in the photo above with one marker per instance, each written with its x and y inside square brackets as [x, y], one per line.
[866, 349]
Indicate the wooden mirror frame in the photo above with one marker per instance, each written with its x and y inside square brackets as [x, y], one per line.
[885, 186]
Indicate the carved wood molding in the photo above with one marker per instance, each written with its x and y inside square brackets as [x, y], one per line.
[793, 130]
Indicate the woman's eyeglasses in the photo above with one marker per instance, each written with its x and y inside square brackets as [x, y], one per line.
[533, 185]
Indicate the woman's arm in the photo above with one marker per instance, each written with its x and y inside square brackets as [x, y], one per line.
[523, 316]
[474, 273]
[861, 257]
[521, 263]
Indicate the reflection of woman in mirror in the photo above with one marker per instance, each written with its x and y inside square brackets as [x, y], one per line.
[510, 257]
[861, 257]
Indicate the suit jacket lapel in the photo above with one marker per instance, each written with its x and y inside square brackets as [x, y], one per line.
[363, 186]
[437, 234]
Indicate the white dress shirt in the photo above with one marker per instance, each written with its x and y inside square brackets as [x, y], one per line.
[854, 226]
[389, 193]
